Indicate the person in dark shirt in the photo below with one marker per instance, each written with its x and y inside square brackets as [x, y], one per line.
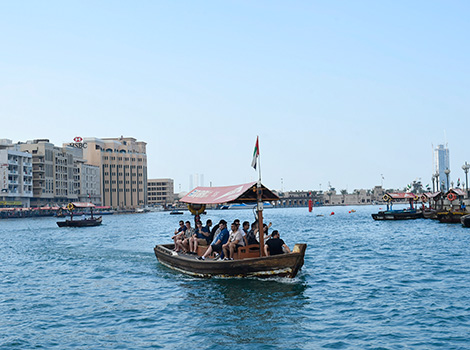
[251, 235]
[275, 245]
[218, 242]
[179, 233]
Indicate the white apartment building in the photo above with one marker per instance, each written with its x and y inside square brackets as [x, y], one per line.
[16, 177]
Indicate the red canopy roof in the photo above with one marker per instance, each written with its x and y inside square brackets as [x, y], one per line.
[432, 194]
[457, 191]
[244, 193]
[403, 195]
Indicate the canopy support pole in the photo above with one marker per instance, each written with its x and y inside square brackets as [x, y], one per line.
[260, 211]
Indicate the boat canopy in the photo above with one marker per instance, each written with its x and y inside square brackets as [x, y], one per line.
[244, 193]
[432, 195]
[83, 205]
[457, 191]
[403, 195]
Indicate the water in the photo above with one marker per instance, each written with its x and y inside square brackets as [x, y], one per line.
[364, 285]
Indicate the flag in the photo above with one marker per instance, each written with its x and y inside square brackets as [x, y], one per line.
[255, 154]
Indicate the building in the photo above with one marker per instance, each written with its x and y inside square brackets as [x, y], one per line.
[442, 167]
[90, 184]
[123, 165]
[54, 180]
[160, 191]
[196, 180]
[16, 176]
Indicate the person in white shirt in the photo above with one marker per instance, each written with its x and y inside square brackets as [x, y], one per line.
[235, 240]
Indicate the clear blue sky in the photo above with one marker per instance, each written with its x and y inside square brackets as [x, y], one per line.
[338, 91]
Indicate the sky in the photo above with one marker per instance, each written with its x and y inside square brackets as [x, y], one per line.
[348, 93]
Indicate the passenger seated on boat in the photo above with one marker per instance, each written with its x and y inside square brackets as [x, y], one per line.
[251, 235]
[275, 245]
[266, 232]
[245, 228]
[240, 229]
[182, 243]
[208, 228]
[199, 237]
[219, 240]
[235, 240]
[179, 232]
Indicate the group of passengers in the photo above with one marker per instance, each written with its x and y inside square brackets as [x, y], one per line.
[222, 242]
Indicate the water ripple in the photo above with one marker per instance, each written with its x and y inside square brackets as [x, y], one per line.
[365, 285]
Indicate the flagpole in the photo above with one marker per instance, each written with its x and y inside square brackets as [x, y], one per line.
[260, 204]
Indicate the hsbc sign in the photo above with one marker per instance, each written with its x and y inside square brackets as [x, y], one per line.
[78, 143]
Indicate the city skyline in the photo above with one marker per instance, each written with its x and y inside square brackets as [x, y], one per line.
[338, 93]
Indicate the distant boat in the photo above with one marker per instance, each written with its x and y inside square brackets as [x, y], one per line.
[403, 214]
[85, 222]
[176, 212]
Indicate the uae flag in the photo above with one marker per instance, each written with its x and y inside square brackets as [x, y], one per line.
[254, 162]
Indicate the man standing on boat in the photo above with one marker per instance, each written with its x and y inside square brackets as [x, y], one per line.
[275, 245]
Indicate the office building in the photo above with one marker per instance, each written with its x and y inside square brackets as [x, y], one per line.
[442, 167]
[160, 191]
[123, 165]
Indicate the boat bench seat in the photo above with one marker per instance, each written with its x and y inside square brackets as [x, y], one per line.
[201, 249]
[249, 251]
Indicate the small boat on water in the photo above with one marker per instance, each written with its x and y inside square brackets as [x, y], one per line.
[465, 220]
[455, 211]
[84, 222]
[176, 212]
[451, 217]
[249, 261]
[403, 214]
[410, 213]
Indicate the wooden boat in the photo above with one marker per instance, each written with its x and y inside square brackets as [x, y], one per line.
[284, 265]
[87, 222]
[404, 214]
[401, 214]
[450, 217]
[176, 212]
[246, 263]
[430, 213]
[465, 220]
[80, 223]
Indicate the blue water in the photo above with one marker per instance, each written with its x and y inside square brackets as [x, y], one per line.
[364, 285]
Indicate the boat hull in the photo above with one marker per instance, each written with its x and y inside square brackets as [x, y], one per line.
[450, 217]
[80, 223]
[465, 220]
[397, 215]
[284, 265]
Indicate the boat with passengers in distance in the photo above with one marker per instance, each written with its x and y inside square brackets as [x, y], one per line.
[85, 222]
[249, 261]
[400, 214]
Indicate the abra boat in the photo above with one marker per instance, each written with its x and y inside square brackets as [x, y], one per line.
[401, 214]
[250, 260]
[451, 217]
[465, 220]
[87, 222]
